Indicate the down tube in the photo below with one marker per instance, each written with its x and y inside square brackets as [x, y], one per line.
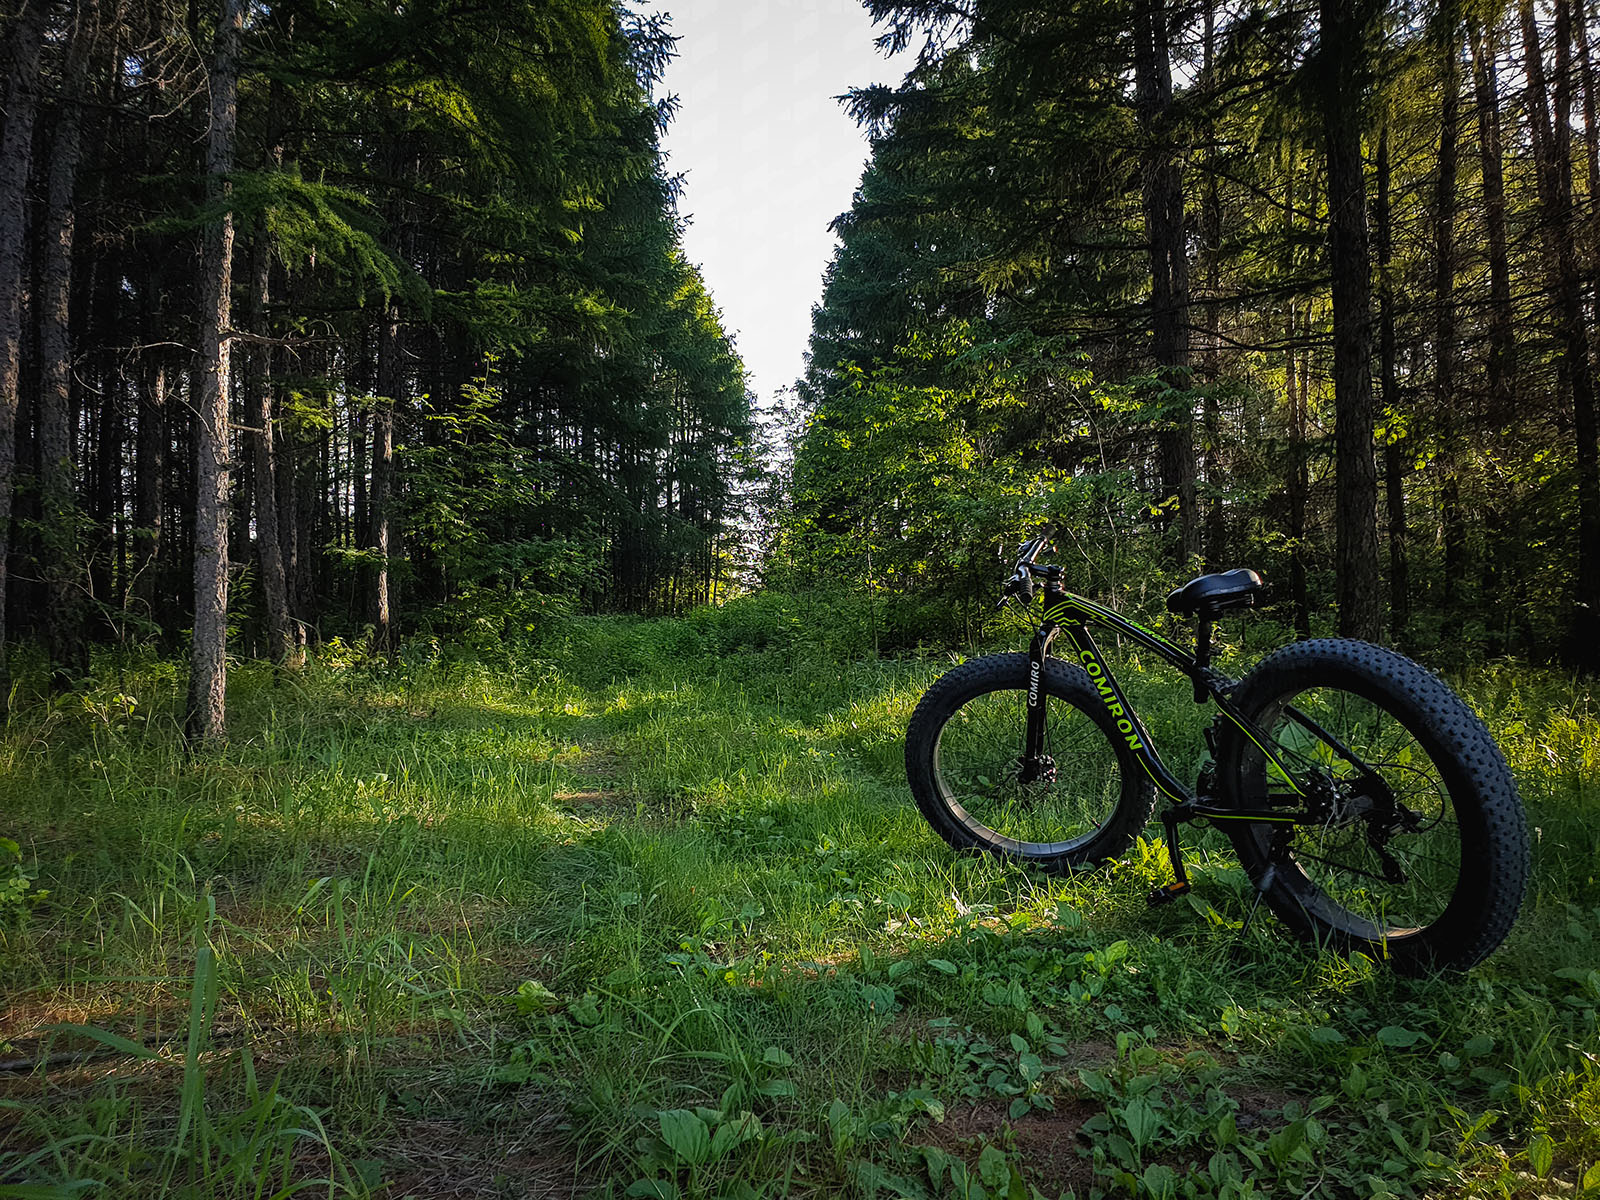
[1129, 727]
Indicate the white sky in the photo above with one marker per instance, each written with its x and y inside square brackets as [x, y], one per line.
[770, 158]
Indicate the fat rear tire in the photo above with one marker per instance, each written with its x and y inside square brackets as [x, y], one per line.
[1448, 746]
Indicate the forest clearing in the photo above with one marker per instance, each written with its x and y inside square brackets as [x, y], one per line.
[649, 911]
[456, 734]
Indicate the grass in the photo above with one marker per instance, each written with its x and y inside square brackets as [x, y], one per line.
[648, 912]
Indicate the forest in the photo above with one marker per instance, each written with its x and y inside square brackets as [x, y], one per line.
[1202, 284]
[346, 321]
[454, 735]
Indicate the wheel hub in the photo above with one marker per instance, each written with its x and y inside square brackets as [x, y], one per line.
[1040, 769]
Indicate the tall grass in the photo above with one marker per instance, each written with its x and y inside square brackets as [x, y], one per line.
[645, 908]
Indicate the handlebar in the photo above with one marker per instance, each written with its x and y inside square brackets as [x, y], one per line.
[1021, 581]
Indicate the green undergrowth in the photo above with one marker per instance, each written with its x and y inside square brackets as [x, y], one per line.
[646, 910]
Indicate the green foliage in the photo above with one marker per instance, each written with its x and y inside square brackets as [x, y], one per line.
[16, 898]
[654, 889]
[987, 353]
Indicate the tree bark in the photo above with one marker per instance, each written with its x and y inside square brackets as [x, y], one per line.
[1502, 365]
[205, 722]
[258, 418]
[61, 564]
[1591, 122]
[147, 497]
[1395, 452]
[1216, 513]
[1446, 403]
[1344, 55]
[1169, 263]
[390, 377]
[1551, 149]
[16, 156]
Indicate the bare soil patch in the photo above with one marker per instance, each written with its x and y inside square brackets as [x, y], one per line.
[1046, 1143]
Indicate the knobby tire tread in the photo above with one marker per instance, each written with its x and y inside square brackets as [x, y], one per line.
[1488, 809]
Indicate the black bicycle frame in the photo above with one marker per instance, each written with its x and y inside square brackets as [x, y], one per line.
[1072, 615]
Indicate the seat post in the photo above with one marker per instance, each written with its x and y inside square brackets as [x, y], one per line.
[1202, 641]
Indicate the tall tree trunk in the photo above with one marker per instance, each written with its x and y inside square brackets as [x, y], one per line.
[61, 563]
[258, 418]
[390, 376]
[1395, 451]
[148, 502]
[1502, 365]
[1591, 129]
[1551, 149]
[16, 156]
[1299, 484]
[1447, 404]
[1344, 62]
[208, 662]
[1169, 263]
[1216, 516]
[1297, 479]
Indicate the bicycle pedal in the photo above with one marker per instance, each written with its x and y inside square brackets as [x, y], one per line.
[1166, 895]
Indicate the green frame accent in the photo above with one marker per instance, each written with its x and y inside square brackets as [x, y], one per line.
[1081, 613]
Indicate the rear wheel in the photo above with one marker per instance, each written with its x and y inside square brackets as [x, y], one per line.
[1083, 802]
[1420, 850]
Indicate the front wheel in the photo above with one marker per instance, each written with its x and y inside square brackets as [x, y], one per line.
[1082, 802]
[1419, 848]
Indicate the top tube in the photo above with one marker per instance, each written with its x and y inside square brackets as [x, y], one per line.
[1074, 605]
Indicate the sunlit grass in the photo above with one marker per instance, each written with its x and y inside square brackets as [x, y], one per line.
[452, 910]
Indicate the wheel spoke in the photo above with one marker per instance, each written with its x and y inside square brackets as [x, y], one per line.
[1076, 789]
[1336, 742]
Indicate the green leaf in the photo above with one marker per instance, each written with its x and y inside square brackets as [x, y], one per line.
[653, 1189]
[993, 1168]
[107, 1038]
[1094, 1081]
[1477, 1047]
[1160, 1180]
[775, 1057]
[586, 1009]
[1327, 1035]
[686, 1134]
[1397, 1037]
[532, 996]
[1542, 1154]
[1142, 1120]
[734, 1133]
[943, 965]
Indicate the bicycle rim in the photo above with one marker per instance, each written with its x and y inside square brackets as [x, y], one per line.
[980, 773]
[1384, 861]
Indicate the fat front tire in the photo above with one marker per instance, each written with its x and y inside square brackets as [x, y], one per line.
[964, 762]
[1425, 869]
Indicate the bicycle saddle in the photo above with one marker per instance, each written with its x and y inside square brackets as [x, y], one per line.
[1209, 595]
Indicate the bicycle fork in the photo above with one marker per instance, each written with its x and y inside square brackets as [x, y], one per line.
[1035, 761]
